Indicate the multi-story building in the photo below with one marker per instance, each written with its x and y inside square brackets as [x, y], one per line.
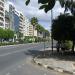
[40, 34]
[26, 27]
[7, 20]
[2, 14]
[18, 22]
[32, 32]
[11, 16]
[21, 23]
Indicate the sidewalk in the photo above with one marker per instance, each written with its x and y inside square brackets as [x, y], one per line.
[57, 64]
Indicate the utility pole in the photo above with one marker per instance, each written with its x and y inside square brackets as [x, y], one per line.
[51, 31]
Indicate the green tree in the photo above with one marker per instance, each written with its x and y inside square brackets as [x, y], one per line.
[20, 35]
[6, 34]
[1, 34]
[63, 28]
[49, 4]
[9, 34]
[40, 28]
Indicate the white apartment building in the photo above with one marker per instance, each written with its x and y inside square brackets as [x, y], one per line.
[32, 32]
[21, 23]
[2, 14]
[17, 18]
[7, 20]
[26, 27]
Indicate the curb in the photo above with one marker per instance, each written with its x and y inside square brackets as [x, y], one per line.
[52, 68]
[15, 45]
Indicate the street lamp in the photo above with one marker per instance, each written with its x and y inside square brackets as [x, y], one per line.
[51, 31]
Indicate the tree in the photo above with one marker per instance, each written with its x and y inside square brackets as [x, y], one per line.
[34, 22]
[39, 28]
[1, 34]
[49, 4]
[20, 35]
[63, 28]
[46, 4]
[8, 34]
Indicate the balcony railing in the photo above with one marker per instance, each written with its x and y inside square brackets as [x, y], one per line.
[2, 1]
[1, 16]
[1, 9]
[1, 23]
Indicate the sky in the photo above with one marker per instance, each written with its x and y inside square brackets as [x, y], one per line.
[32, 10]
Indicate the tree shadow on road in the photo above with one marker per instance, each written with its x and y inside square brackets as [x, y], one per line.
[68, 55]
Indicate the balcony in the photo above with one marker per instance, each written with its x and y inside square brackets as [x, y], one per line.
[2, 1]
[1, 9]
[1, 19]
[1, 16]
[1, 13]
[1, 4]
[1, 23]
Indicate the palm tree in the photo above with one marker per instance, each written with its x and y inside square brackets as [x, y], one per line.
[34, 22]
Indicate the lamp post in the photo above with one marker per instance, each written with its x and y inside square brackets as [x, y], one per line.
[51, 31]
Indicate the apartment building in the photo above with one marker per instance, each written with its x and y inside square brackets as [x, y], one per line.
[32, 32]
[7, 20]
[26, 27]
[21, 23]
[2, 14]
[17, 22]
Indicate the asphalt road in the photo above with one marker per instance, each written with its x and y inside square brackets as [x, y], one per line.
[15, 60]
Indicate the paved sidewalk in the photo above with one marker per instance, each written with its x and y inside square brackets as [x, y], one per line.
[56, 64]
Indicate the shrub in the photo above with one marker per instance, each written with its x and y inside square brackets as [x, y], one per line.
[68, 44]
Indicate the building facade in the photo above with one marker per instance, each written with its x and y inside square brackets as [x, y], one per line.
[2, 14]
[11, 16]
[7, 20]
[26, 27]
[21, 23]
[16, 21]
[32, 32]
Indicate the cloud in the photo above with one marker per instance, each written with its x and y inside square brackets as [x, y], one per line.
[33, 10]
